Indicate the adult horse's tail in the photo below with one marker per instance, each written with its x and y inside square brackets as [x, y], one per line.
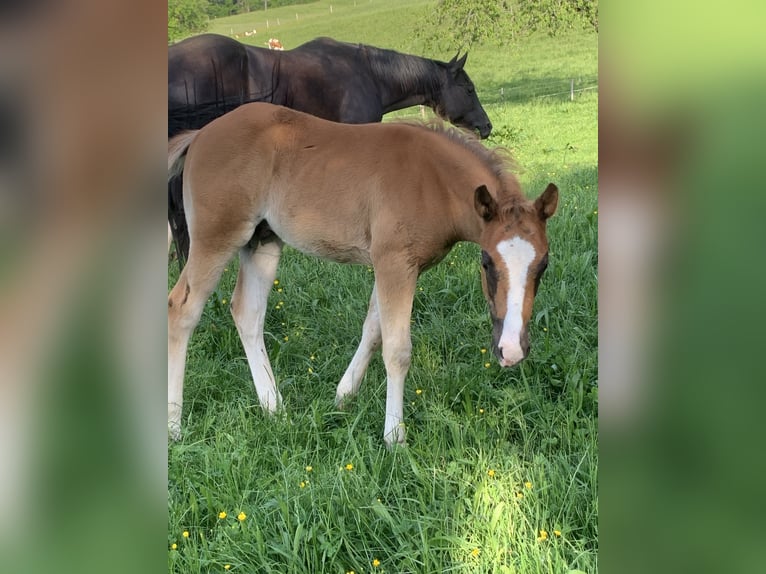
[177, 148]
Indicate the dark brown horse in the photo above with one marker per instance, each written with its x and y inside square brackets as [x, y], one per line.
[209, 75]
[394, 196]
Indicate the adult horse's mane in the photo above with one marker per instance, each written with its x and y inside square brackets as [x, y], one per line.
[413, 73]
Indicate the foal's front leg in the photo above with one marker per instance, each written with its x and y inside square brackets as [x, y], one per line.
[395, 288]
[257, 270]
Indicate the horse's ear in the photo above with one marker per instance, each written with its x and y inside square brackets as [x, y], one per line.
[456, 64]
[484, 203]
[547, 202]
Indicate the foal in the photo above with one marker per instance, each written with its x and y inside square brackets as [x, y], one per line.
[394, 196]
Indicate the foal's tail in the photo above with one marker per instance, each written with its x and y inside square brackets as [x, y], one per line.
[177, 148]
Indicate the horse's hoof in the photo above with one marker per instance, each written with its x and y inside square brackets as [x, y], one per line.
[396, 438]
[174, 432]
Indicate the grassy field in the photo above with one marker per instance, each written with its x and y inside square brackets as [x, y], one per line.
[494, 456]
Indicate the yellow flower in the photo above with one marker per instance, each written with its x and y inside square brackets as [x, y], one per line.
[486, 365]
[227, 567]
[376, 563]
[276, 281]
[311, 371]
[286, 338]
[223, 301]
[528, 485]
[475, 552]
[185, 534]
[222, 515]
[519, 495]
[303, 484]
[349, 466]
[481, 411]
[174, 546]
[543, 536]
[312, 357]
[418, 391]
[309, 468]
[491, 472]
[483, 351]
[279, 290]
[241, 516]
[557, 532]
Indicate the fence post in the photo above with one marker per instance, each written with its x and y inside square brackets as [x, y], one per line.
[571, 90]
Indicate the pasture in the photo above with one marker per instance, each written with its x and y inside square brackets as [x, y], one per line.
[500, 472]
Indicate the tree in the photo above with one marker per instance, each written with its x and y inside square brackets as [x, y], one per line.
[463, 23]
[186, 17]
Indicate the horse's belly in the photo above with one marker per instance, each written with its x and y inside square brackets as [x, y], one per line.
[324, 241]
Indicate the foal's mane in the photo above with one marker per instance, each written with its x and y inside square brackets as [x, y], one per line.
[498, 160]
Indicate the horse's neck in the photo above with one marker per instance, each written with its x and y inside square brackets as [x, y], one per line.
[403, 80]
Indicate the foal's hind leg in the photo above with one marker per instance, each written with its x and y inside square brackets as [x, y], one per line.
[185, 304]
[257, 270]
[371, 338]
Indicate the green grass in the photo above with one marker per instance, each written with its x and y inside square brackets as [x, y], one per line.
[427, 507]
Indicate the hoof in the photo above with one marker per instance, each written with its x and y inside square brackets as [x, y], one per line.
[396, 437]
[174, 432]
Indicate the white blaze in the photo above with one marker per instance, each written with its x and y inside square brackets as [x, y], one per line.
[517, 254]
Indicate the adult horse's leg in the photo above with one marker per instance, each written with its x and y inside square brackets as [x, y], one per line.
[185, 304]
[371, 338]
[395, 288]
[257, 270]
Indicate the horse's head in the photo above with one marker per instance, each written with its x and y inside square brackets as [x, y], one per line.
[459, 104]
[513, 258]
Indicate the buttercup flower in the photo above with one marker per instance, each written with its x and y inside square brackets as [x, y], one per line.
[418, 391]
[475, 552]
[309, 468]
[349, 466]
[557, 532]
[376, 563]
[491, 472]
[241, 516]
[174, 546]
[222, 515]
[185, 534]
[528, 485]
[227, 567]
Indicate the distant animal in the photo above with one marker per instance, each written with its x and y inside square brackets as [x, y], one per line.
[209, 75]
[395, 196]
[274, 44]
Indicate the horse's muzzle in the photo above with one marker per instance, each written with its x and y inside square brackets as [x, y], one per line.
[485, 130]
[509, 355]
